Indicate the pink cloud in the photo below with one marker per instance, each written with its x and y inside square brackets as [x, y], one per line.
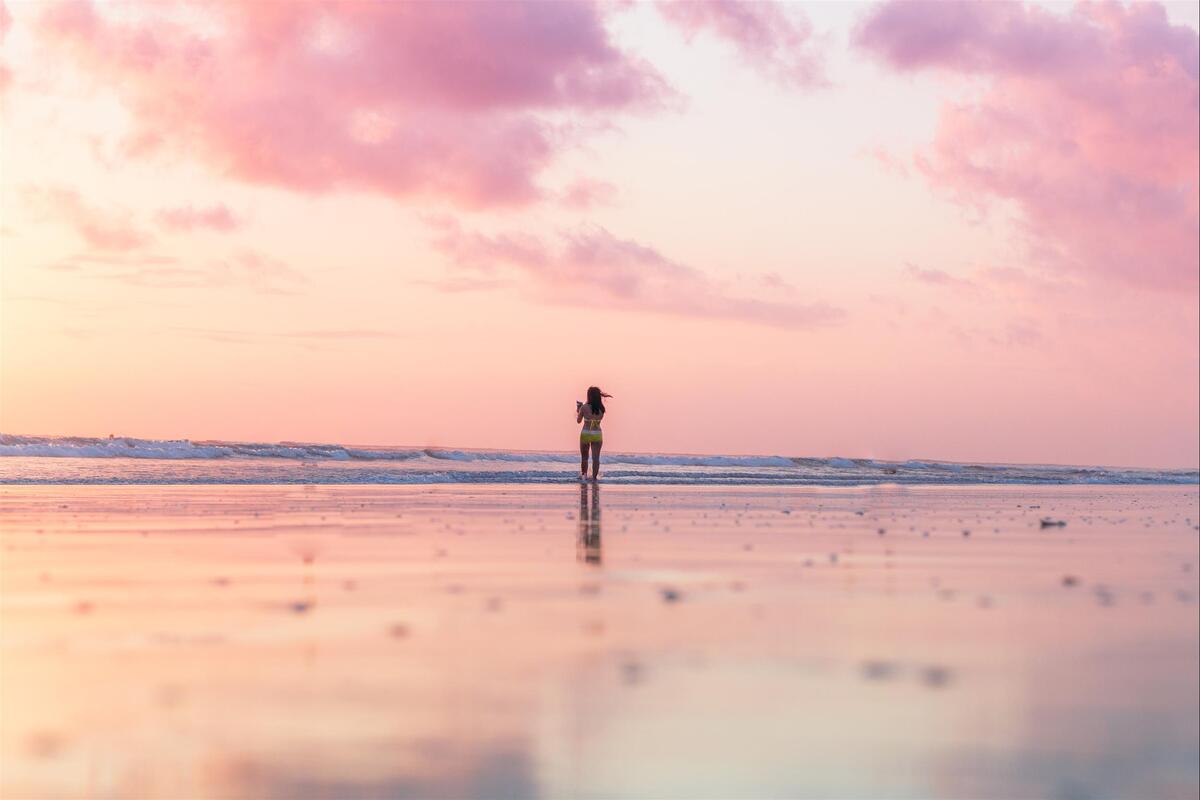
[186, 218]
[245, 268]
[770, 38]
[5, 24]
[304, 337]
[889, 161]
[455, 100]
[938, 277]
[586, 193]
[1088, 125]
[591, 267]
[100, 228]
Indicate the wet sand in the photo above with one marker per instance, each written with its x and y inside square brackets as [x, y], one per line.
[556, 642]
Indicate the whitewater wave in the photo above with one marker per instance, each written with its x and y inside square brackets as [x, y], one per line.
[74, 459]
[183, 449]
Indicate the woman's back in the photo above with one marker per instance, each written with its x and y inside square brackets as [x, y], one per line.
[591, 420]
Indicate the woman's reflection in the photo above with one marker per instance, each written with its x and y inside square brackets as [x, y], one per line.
[587, 547]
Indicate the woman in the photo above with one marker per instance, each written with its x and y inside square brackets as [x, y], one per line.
[590, 438]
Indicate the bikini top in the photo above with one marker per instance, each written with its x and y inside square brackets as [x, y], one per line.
[591, 423]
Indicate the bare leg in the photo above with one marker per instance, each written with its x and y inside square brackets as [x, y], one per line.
[595, 459]
[583, 456]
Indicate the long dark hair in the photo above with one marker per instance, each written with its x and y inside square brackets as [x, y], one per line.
[594, 400]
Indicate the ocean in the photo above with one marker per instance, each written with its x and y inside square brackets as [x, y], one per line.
[85, 460]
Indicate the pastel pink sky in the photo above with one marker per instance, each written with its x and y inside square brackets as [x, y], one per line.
[966, 231]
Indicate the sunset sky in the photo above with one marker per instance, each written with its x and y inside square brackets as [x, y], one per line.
[889, 230]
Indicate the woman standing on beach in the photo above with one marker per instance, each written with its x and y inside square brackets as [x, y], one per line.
[590, 438]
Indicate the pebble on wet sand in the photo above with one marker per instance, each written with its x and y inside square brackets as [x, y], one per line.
[44, 744]
[935, 677]
[878, 670]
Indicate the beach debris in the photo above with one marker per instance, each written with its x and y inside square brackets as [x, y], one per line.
[1103, 596]
[966, 532]
[1053, 523]
[399, 630]
[170, 695]
[935, 677]
[631, 672]
[876, 670]
[833, 558]
[670, 595]
[84, 607]
[44, 744]
[300, 606]
[220, 581]
[494, 604]
[882, 531]
[1070, 580]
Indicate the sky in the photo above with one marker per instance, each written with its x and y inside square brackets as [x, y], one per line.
[960, 231]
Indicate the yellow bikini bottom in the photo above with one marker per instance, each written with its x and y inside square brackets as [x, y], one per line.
[587, 437]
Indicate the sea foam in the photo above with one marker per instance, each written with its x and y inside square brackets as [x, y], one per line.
[75, 459]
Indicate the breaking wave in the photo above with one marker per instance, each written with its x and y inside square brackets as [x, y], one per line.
[75, 459]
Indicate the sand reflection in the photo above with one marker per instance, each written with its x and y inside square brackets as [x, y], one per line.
[369, 642]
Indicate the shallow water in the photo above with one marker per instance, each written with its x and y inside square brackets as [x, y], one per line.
[562, 641]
